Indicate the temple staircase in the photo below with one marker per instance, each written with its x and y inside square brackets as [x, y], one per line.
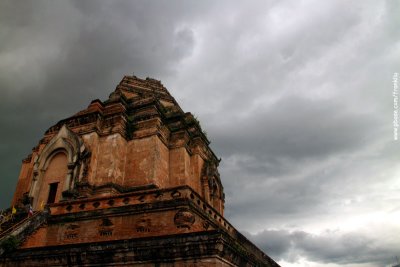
[14, 231]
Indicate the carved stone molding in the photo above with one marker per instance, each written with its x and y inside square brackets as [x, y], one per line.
[143, 224]
[184, 218]
[71, 231]
[106, 227]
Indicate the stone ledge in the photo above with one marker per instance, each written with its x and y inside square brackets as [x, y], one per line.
[137, 201]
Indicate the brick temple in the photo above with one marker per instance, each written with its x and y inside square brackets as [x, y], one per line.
[130, 181]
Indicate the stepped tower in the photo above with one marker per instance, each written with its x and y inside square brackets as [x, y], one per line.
[130, 181]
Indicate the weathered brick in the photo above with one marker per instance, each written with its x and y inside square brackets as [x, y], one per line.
[138, 186]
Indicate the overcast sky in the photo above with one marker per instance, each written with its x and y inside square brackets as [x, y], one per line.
[296, 98]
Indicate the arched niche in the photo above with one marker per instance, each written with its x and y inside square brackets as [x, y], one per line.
[59, 155]
[53, 178]
[212, 188]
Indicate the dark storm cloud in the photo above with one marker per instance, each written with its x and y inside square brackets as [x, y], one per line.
[289, 155]
[58, 56]
[301, 110]
[280, 130]
[295, 97]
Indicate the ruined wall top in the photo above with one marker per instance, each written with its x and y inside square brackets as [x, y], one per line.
[137, 138]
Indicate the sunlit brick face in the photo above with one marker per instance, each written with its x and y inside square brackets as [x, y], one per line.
[139, 137]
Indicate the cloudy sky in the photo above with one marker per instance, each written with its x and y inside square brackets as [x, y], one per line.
[296, 97]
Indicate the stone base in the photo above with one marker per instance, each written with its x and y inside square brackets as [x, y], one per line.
[193, 249]
[156, 227]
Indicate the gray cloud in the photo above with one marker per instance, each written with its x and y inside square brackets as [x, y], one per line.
[327, 247]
